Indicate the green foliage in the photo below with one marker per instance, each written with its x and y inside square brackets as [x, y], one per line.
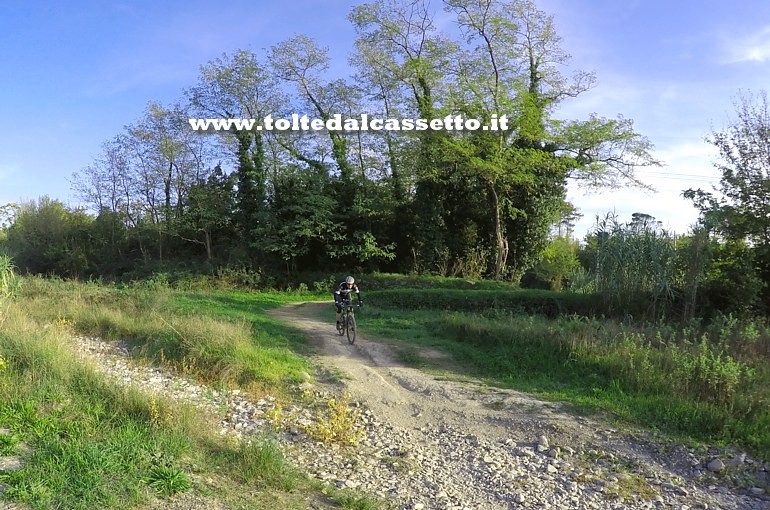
[168, 480]
[209, 214]
[740, 211]
[301, 219]
[559, 261]
[263, 462]
[9, 281]
[251, 191]
[362, 248]
[730, 284]
[46, 237]
[709, 374]
[542, 302]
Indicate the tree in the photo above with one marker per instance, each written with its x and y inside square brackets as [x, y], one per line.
[399, 43]
[110, 182]
[242, 86]
[559, 260]
[48, 238]
[568, 216]
[8, 214]
[209, 211]
[301, 61]
[301, 219]
[169, 158]
[511, 68]
[739, 210]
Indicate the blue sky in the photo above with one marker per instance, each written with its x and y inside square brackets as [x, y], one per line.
[74, 73]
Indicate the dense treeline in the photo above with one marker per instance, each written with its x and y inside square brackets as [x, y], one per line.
[474, 203]
[436, 201]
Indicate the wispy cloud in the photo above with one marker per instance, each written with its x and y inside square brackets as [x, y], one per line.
[754, 47]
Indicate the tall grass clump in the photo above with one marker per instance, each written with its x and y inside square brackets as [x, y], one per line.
[634, 260]
[9, 281]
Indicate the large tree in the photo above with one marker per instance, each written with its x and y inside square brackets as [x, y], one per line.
[242, 86]
[506, 65]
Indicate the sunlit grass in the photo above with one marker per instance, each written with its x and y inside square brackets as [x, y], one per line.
[698, 381]
[89, 443]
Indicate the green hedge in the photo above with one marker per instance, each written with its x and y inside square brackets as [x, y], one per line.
[531, 301]
[383, 281]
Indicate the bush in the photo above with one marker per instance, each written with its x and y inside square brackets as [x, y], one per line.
[383, 281]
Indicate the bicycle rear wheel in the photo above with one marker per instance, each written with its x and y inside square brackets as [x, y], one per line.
[351, 328]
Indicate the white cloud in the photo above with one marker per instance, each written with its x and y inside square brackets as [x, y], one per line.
[754, 47]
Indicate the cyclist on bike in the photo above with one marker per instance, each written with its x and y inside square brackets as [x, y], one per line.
[342, 294]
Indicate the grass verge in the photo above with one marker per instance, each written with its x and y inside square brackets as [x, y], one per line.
[86, 443]
[226, 335]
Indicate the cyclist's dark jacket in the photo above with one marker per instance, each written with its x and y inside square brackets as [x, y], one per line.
[343, 292]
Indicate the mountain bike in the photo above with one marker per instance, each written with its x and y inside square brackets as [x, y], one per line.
[347, 324]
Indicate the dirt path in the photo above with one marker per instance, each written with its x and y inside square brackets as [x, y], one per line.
[495, 448]
[410, 398]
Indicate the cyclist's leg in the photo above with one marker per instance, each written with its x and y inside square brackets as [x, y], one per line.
[338, 305]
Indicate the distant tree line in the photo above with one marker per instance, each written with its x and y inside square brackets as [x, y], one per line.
[474, 203]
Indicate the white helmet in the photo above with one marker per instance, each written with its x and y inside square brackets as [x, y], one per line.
[350, 280]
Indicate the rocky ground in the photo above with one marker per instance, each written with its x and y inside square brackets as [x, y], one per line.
[430, 443]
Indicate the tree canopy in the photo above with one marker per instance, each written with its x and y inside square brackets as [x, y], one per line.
[439, 201]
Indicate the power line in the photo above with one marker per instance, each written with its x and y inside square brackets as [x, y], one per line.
[677, 174]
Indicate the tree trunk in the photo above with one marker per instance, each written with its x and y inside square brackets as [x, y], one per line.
[167, 194]
[208, 246]
[501, 243]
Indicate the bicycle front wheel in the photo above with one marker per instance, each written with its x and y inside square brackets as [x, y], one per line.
[351, 329]
[341, 325]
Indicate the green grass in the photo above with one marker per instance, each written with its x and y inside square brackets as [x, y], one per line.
[92, 444]
[227, 335]
[696, 381]
[383, 281]
[485, 300]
